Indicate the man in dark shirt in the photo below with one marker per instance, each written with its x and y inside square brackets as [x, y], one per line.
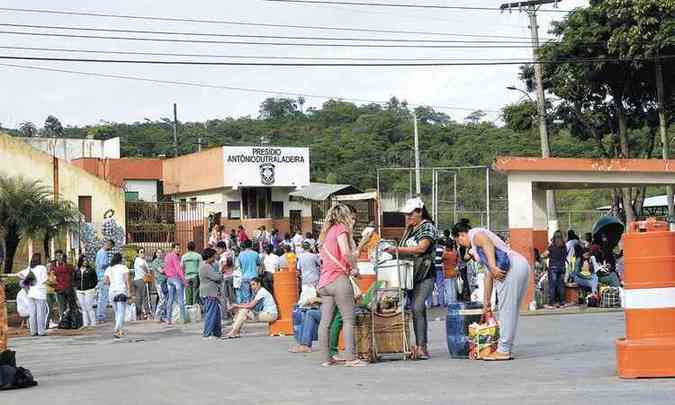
[65, 295]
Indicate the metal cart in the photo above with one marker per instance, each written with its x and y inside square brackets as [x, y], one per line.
[387, 312]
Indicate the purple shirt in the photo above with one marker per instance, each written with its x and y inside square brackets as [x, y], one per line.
[172, 266]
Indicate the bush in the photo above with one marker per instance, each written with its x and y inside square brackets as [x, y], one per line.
[11, 287]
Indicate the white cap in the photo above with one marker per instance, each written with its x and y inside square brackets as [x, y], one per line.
[412, 205]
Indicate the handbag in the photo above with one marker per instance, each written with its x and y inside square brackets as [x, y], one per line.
[352, 280]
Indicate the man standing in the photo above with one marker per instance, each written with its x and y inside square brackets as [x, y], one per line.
[65, 295]
[102, 263]
[191, 262]
[176, 283]
[249, 261]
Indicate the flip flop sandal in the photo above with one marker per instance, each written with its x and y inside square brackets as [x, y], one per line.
[355, 363]
[329, 363]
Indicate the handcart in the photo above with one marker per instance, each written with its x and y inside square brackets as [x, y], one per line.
[390, 324]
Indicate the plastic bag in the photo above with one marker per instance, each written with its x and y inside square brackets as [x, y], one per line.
[130, 315]
[483, 339]
[236, 278]
[194, 313]
[23, 303]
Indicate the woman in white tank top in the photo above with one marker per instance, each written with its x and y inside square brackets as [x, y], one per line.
[512, 272]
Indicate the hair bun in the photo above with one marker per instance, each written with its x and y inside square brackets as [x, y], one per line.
[464, 221]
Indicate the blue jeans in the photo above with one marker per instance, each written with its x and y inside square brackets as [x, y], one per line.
[244, 292]
[450, 285]
[162, 295]
[120, 313]
[310, 327]
[584, 282]
[212, 319]
[102, 304]
[176, 291]
[556, 287]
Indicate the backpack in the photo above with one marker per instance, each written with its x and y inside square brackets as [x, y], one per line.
[15, 377]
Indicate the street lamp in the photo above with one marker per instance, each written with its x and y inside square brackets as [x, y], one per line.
[514, 88]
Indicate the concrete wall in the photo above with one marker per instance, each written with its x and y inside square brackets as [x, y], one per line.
[18, 158]
[70, 149]
[117, 171]
[146, 189]
[194, 173]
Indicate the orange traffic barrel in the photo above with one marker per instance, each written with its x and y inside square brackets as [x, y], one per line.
[648, 350]
[286, 296]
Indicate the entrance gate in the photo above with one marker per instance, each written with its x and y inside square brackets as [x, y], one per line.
[160, 224]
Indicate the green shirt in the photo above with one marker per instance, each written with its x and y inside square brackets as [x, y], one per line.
[191, 262]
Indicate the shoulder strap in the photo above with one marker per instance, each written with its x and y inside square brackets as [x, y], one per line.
[336, 261]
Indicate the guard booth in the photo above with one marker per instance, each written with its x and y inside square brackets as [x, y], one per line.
[529, 178]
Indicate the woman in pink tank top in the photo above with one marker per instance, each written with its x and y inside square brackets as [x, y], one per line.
[338, 261]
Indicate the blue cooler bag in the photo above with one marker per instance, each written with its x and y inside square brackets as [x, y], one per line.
[460, 316]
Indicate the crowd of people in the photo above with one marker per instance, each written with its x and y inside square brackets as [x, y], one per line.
[587, 263]
[233, 278]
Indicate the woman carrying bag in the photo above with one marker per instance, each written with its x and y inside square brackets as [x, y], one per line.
[335, 288]
[512, 272]
[419, 244]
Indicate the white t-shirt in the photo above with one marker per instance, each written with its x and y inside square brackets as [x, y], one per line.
[139, 268]
[268, 304]
[271, 263]
[38, 290]
[297, 242]
[117, 274]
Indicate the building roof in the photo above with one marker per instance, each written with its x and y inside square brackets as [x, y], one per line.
[529, 164]
[650, 202]
[323, 191]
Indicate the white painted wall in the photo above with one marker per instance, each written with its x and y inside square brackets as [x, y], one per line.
[70, 149]
[216, 200]
[521, 210]
[146, 189]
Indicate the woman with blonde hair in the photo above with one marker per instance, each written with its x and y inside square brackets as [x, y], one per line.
[338, 262]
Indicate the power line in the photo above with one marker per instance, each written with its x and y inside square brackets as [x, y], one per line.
[237, 23]
[232, 88]
[302, 44]
[206, 55]
[425, 6]
[57, 27]
[323, 64]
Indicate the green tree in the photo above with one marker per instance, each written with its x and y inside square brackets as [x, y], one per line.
[53, 127]
[21, 201]
[28, 129]
[609, 101]
[278, 108]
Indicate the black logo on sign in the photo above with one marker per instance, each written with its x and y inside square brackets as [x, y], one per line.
[267, 174]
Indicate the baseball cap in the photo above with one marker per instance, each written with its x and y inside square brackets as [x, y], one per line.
[412, 205]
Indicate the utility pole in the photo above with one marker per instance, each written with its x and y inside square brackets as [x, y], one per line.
[665, 146]
[175, 130]
[531, 8]
[418, 181]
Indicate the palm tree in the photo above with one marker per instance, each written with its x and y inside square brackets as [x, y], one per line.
[57, 216]
[21, 201]
[53, 127]
[28, 129]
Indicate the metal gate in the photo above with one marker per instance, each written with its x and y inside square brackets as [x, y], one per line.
[160, 224]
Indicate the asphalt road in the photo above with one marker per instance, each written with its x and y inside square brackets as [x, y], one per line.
[561, 359]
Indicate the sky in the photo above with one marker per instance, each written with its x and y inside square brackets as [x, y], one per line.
[32, 95]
